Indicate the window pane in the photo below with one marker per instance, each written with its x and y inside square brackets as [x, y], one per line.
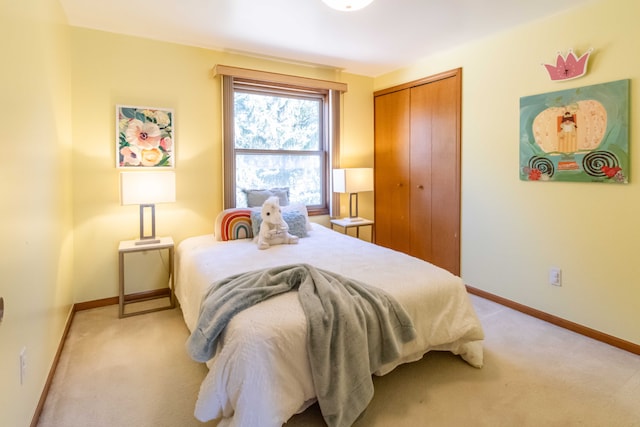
[301, 173]
[266, 122]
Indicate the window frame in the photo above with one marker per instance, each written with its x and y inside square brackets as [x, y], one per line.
[272, 84]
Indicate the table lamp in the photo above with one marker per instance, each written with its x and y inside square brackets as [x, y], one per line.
[146, 189]
[353, 181]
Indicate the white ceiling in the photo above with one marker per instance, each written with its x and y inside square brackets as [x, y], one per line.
[383, 37]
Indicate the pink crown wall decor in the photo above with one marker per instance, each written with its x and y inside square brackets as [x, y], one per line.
[568, 67]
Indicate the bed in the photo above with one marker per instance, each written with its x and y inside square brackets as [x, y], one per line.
[260, 374]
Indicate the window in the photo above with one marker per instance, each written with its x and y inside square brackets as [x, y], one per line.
[279, 143]
[279, 135]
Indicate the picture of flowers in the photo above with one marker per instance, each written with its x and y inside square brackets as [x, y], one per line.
[145, 137]
[577, 135]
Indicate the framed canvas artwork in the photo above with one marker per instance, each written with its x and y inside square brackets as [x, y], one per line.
[578, 135]
[145, 137]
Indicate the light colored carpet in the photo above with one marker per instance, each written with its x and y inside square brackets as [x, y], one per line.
[135, 372]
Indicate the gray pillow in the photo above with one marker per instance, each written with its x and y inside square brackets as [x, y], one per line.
[296, 221]
[256, 198]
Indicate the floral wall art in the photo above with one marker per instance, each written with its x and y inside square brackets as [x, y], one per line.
[579, 135]
[145, 137]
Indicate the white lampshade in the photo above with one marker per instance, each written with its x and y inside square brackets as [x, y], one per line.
[347, 5]
[146, 189]
[139, 188]
[353, 180]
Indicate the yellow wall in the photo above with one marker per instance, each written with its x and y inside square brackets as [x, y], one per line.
[514, 231]
[35, 219]
[110, 69]
[356, 148]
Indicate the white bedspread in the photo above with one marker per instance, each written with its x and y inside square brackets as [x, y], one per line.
[260, 375]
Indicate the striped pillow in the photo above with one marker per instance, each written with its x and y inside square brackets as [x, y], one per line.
[232, 224]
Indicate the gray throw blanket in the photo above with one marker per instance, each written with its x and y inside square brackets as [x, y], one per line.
[352, 330]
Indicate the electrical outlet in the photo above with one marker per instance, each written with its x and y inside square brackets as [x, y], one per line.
[23, 365]
[555, 276]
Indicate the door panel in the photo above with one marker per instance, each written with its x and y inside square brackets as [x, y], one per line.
[445, 169]
[421, 160]
[391, 175]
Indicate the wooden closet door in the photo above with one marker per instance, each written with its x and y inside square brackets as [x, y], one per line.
[421, 169]
[435, 172]
[392, 176]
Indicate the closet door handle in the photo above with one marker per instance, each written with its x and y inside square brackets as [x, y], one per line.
[420, 186]
[399, 185]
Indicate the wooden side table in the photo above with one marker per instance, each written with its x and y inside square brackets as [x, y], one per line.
[129, 246]
[346, 224]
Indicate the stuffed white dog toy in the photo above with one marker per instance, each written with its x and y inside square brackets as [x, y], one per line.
[273, 229]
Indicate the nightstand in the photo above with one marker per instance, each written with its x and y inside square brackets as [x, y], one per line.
[346, 224]
[129, 246]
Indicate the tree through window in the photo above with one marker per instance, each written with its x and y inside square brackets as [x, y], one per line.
[279, 143]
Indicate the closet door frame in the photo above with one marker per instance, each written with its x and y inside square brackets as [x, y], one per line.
[452, 260]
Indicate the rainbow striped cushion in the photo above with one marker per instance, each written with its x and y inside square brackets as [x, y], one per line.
[232, 224]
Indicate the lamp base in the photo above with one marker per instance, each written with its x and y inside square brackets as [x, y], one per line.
[147, 239]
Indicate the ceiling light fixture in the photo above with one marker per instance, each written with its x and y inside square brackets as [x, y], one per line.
[347, 5]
